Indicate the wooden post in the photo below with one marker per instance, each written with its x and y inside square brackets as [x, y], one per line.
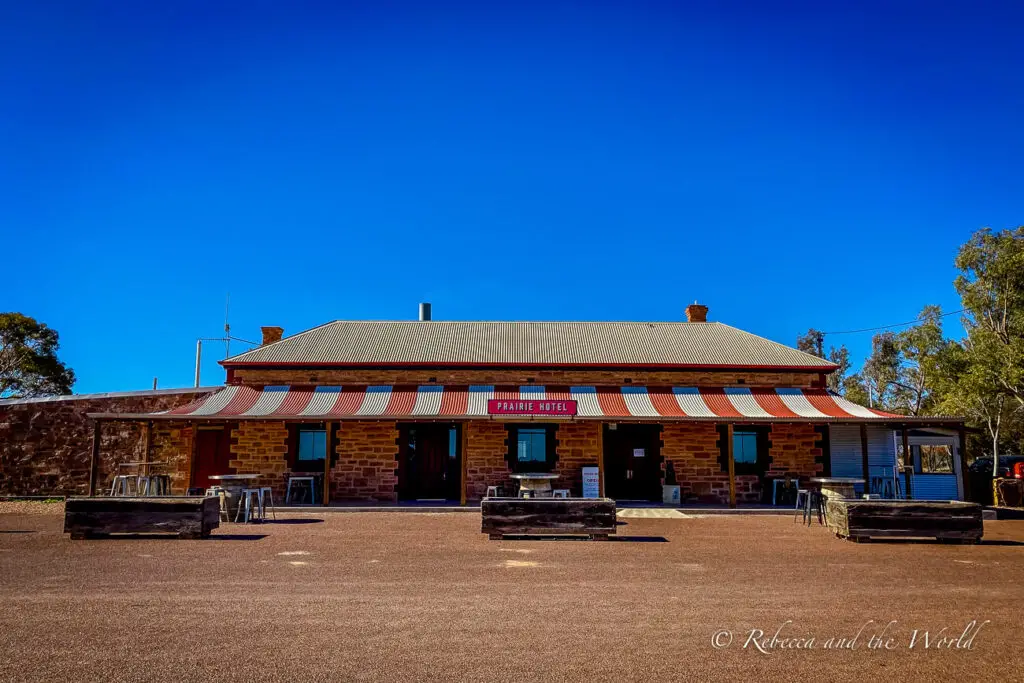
[600, 461]
[327, 463]
[965, 481]
[95, 460]
[732, 465]
[147, 439]
[908, 460]
[864, 457]
[463, 441]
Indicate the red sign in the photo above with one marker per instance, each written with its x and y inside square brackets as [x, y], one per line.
[497, 406]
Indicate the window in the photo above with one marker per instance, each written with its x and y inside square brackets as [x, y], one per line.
[933, 458]
[531, 445]
[531, 449]
[744, 448]
[749, 449]
[311, 449]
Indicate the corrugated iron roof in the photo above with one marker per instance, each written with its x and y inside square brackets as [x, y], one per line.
[528, 343]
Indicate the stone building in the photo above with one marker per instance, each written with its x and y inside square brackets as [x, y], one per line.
[412, 410]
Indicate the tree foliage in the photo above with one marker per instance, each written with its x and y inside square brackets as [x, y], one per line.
[28, 359]
[814, 343]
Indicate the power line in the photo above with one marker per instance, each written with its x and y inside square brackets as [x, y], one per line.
[886, 327]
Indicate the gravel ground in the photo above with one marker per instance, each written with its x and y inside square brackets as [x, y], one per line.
[413, 597]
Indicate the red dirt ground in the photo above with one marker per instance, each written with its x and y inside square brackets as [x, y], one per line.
[413, 597]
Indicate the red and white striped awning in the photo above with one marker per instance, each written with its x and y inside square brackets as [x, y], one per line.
[434, 401]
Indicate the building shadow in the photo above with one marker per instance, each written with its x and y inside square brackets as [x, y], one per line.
[300, 520]
[586, 539]
[172, 537]
[935, 541]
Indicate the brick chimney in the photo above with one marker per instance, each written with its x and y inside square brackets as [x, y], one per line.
[696, 313]
[273, 334]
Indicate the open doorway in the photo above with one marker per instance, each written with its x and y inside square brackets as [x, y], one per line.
[632, 462]
[429, 462]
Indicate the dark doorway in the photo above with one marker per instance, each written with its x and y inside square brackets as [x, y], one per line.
[429, 462]
[213, 452]
[632, 462]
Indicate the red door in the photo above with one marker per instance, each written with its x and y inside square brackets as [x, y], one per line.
[212, 456]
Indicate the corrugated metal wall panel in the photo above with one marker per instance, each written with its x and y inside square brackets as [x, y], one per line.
[935, 487]
[845, 449]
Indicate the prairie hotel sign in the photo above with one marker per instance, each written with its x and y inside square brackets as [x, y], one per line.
[497, 406]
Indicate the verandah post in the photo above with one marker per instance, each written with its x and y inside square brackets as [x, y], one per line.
[908, 461]
[864, 457]
[94, 461]
[327, 463]
[732, 465]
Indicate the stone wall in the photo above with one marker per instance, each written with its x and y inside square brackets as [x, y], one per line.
[485, 453]
[367, 462]
[46, 444]
[171, 442]
[262, 448]
[578, 445]
[796, 450]
[693, 450]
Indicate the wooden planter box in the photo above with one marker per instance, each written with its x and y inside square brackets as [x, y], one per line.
[186, 516]
[859, 520]
[594, 517]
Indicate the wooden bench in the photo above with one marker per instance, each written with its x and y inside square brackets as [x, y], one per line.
[947, 521]
[186, 516]
[594, 517]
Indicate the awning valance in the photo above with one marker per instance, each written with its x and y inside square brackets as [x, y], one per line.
[471, 402]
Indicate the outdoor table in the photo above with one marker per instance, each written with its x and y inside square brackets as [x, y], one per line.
[142, 469]
[837, 488]
[537, 483]
[233, 485]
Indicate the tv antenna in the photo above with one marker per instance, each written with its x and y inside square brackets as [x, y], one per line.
[227, 339]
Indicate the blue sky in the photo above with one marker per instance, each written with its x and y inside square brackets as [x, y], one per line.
[807, 164]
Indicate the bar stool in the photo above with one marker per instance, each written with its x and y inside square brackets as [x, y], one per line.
[250, 498]
[125, 485]
[267, 492]
[560, 493]
[492, 491]
[301, 480]
[219, 493]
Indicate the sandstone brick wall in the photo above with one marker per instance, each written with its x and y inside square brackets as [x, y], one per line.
[486, 465]
[367, 462]
[693, 450]
[171, 442]
[795, 450]
[46, 444]
[262, 448]
[578, 444]
[705, 378]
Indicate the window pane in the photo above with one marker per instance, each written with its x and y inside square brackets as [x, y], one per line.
[453, 442]
[936, 459]
[744, 447]
[531, 445]
[312, 444]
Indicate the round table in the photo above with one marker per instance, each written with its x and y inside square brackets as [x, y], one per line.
[837, 488]
[537, 483]
[233, 485]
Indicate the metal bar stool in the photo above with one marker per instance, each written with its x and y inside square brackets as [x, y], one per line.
[125, 485]
[250, 500]
[311, 481]
[265, 493]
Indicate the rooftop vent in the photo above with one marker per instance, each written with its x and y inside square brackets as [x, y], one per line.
[424, 311]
